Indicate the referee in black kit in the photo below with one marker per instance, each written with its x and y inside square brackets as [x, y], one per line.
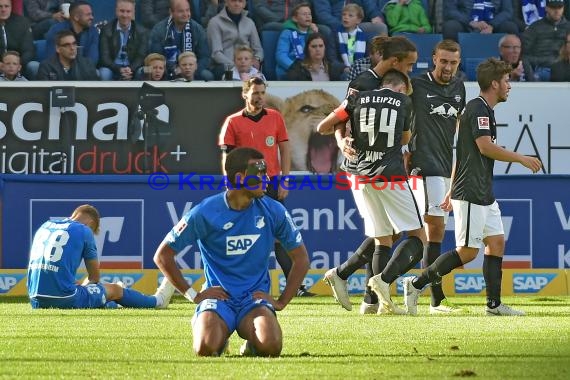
[477, 214]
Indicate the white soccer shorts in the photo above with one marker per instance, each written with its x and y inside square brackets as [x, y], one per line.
[473, 223]
[390, 210]
[429, 193]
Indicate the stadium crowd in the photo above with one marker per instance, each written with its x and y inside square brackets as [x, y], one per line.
[237, 39]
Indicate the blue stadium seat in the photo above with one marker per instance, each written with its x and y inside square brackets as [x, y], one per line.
[425, 44]
[103, 10]
[40, 46]
[269, 44]
[475, 48]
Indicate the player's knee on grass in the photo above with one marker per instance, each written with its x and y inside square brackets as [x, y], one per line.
[114, 292]
[269, 346]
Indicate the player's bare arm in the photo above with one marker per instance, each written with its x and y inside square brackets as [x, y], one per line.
[344, 142]
[496, 152]
[93, 273]
[164, 260]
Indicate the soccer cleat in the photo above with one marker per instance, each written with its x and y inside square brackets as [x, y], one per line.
[368, 308]
[303, 292]
[164, 294]
[382, 290]
[411, 295]
[338, 285]
[505, 310]
[445, 307]
[247, 349]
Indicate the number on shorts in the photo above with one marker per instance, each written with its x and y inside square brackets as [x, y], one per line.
[387, 124]
[93, 289]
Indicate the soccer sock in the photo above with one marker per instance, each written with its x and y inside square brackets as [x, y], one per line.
[440, 267]
[493, 274]
[369, 296]
[132, 298]
[380, 258]
[432, 252]
[362, 255]
[406, 256]
[283, 259]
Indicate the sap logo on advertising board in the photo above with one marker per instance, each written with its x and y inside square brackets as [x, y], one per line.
[531, 283]
[128, 279]
[8, 281]
[309, 281]
[469, 283]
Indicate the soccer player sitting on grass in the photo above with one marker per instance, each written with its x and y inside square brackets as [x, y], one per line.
[57, 250]
[235, 232]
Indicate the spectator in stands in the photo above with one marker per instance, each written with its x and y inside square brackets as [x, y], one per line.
[11, 67]
[154, 67]
[122, 44]
[544, 38]
[478, 16]
[528, 11]
[16, 35]
[66, 64]
[154, 11]
[271, 14]
[80, 23]
[314, 65]
[210, 8]
[178, 33]
[351, 39]
[406, 16]
[329, 13]
[561, 68]
[229, 28]
[374, 57]
[44, 14]
[187, 66]
[510, 48]
[243, 64]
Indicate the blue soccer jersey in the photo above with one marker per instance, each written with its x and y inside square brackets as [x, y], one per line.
[57, 250]
[235, 245]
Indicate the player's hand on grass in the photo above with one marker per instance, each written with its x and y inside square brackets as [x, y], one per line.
[214, 292]
[446, 204]
[532, 163]
[259, 295]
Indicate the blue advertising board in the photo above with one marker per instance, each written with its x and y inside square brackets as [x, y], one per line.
[136, 216]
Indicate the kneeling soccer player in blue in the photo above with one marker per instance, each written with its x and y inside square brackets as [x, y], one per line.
[57, 250]
[235, 232]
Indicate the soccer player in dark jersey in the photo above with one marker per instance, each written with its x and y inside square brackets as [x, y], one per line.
[398, 53]
[235, 232]
[380, 122]
[57, 250]
[477, 214]
[438, 99]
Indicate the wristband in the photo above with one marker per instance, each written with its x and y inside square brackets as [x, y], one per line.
[190, 294]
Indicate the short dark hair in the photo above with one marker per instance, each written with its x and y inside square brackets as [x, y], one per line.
[76, 4]
[237, 160]
[62, 34]
[491, 70]
[395, 77]
[250, 82]
[91, 212]
[447, 45]
[399, 47]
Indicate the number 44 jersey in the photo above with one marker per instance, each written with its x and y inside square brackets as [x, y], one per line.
[378, 119]
[57, 250]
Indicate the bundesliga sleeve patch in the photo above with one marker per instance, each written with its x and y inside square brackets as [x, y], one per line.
[483, 122]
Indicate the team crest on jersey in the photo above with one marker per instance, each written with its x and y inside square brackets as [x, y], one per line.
[483, 122]
[259, 222]
[457, 98]
[270, 141]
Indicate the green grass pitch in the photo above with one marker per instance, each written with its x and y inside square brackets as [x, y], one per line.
[321, 341]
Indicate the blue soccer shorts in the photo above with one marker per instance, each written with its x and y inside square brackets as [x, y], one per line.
[91, 296]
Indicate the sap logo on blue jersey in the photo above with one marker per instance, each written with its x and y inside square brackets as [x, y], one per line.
[8, 281]
[128, 279]
[531, 283]
[239, 245]
[469, 283]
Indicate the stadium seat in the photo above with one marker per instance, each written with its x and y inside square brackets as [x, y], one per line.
[40, 46]
[425, 44]
[269, 44]
[103, 10]
[475, 48]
